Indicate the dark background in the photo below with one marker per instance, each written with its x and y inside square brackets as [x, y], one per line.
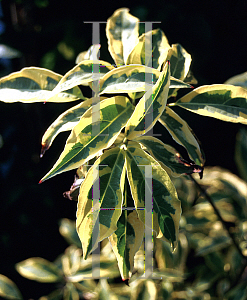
[213, 32]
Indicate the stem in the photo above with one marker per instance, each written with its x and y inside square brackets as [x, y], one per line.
[219, 216]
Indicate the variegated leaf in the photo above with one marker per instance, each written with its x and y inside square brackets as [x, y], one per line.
[151, 50]
[166, 206]
[122, 34]
[182, 134]
[35, 85]
[150, 107]
[239, 80]
[220, 101]
[39, 269]
[66, 121]
[126, 241]
[83, 143]
[97, 218]
[145, 290]
[167, 156]
[83, 73]
[90, 54]
[8, 289]
[180, 61]
[133, 79]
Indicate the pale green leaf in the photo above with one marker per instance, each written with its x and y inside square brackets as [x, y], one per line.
[66, 121]
[8, 289]
[82, 74]
[167, 156]
[109, 171]
[133, 79]
[70, 292]
[67, 229]
[90, 54]
[150, 107]
[239, 80]
[145, 290]
[166, 206]
[122, 34]
[182, 134]
[39, 269]
[82, 144]
[151, 50]
[223, 102]
[126, 241]
[35, 85]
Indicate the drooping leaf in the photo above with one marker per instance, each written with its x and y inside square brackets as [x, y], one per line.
[238, 80]
[134, 78]
[180, 61]
[182, 134]
[35, 85]
[83, 144]
[126, 241]
[122, 34]
[109, 173]
[90, 54]
[83, 73]
[150, 107]
[151, 50]
[66, 121]
[8, 289]
[223, 102]
[167, 156]
[39, 269]
[166, 206]
[241, 153]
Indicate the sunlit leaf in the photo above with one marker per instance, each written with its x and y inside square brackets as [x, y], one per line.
[126, 241]
[166, 206]
[90, 54]
[150, 107]
[8, 289]
[151, 50]
[223, 102]
[145, 290]
[67, 229]
[122, 34]
[239, 80]
[82, 144]
[39, 269]
[182, 134]
[70, 292]
[134, 78]
[83, 73]
[167, 156]
[97, 219]
[35, 85]
[66, 121]
[241, 153]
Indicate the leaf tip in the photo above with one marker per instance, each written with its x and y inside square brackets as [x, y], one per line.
[126, 281]
[44, 148]
[40, 181]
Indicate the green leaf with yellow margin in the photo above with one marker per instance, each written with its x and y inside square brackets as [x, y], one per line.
[180, 61]
[82, 74]
[151, 105]
[66, 121]
[151, 50]
[90, 54]
[133, 78]
[82, 145]
[104, 213]
[35, 85]
[122, 31]
[39, 269]
[166, 206]
[128, 237]
[223, 102]
[167, 156]
[8, 289]
[182, 134]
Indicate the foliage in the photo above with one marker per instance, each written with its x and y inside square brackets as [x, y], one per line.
[121, 165]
